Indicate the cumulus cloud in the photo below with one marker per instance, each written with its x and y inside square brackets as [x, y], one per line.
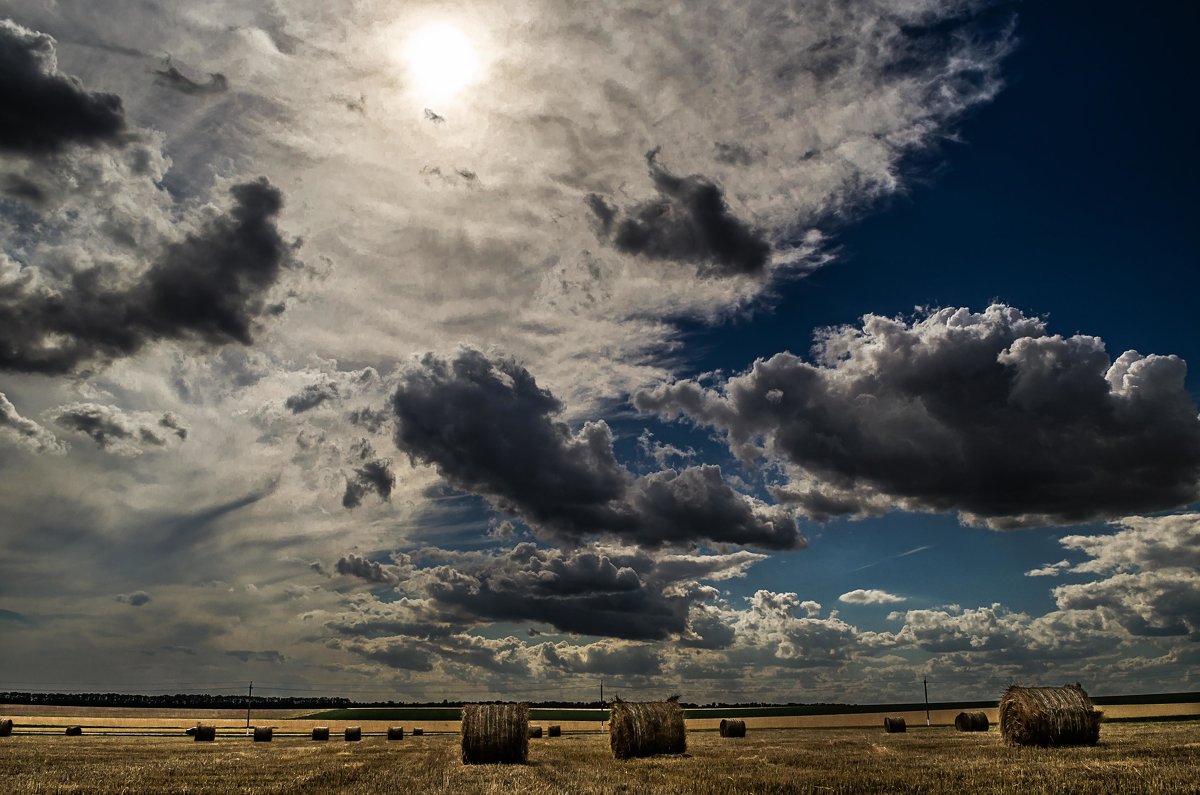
[135, 599]
[312, 396]
[869, 596]
[690, 221]
[1049, 570]
[982, 413]
[43, 110]
[491, 430]
[25, 431]
[371, 474]
[352, 565]
[117, 431]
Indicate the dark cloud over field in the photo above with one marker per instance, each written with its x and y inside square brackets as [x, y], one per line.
[983, 414]
[489, 429]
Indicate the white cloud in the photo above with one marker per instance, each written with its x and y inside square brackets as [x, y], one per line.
[1050, 569]
[869, 596]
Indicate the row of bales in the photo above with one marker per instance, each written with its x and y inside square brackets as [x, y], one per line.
[265, 734]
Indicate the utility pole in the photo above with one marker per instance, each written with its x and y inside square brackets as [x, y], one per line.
[925, 681]
[249, 696]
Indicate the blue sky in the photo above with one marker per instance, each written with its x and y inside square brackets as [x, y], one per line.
[753, 352]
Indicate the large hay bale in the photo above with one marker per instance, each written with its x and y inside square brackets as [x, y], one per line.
[418, 732]
[395, 732]
[263, 734]
[894, 725]
[495, 733]
[647, 728]
[971, 722]
[320, 733]
[1048, 716]
[555, 731]
[535, 732]
[74, 731]
[6, 727]
[353, 734]
[731, 727]
[204, 734]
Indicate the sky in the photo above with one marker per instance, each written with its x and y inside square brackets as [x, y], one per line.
[747, 351]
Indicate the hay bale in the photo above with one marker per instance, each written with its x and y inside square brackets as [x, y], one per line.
[395, 732]
[535, 732]
[204, 734]
[731, 727]
[971, 722]
[1048, 716]
[263, 734]
[647, 728]
[320, 733]
[6, 727]
[418, 732]
[495, 733]
[554, 731]
[894, 725]
[74, 731]
[353, 734]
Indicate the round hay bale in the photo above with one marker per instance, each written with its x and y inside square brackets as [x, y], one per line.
[647, 728]
[971, 722]
[320, 733]
[263, 734]
[395, 732]
[495, 733]
[353, 734]
[6, 727]
[535, 732]
[74, 731]
[418, 732]
[1048, 716]
[204, 734]
[555, 731]
[894, 725]
[731, 727]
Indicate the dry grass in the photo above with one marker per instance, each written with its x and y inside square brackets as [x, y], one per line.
[1150, 758]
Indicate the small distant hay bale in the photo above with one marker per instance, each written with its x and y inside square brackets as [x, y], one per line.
[647, 728]
[972, 722]
[535, 732]
[495, 733]
[74, 731]
[731, 727]
[1048, 716]
[203, 734]
[6, 727]
[353, 734]
[263, 734]
[418, 732]
[894, 725]
[554, 731]
[320, 733]
[395, 732]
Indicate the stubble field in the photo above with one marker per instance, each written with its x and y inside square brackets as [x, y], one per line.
[1132, 757]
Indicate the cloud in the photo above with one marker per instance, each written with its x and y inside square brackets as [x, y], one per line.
[41, 109]
[209, 288]
[871, 596]
[267, 656]
[690, 221]
[27, 432]
[980, 413]
[491, 430]
[1049, 570]
[172, 78]
[117, 431]
[135, 599]
[352, 565]
[312, 396]
[372, 474]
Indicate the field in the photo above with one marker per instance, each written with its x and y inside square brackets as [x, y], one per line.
[1161, 757]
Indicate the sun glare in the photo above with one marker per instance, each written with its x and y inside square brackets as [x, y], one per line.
[441, 62]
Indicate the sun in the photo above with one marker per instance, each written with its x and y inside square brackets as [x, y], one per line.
[441, 62]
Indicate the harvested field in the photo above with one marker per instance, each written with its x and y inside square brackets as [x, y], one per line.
[1148, 758]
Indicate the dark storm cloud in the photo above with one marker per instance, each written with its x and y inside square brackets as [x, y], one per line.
[41, 109]
[172, 78]
[372, 571]
[210, 288]
[690, 221]
[373, 474]
[984, 414]
[135, 599]
[312, 396]
[489, 429]
[112, 429]
[19, 187]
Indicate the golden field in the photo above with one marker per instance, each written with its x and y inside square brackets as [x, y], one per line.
[1132, 757]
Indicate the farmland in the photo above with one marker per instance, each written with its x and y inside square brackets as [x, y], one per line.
[1154, 757]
